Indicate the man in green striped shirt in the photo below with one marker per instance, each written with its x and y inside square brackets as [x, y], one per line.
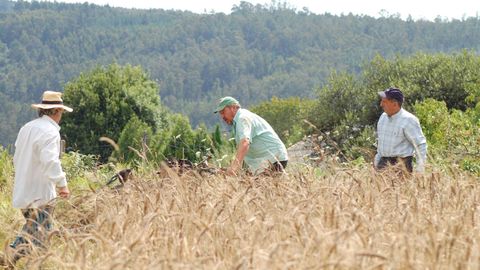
[257, 143]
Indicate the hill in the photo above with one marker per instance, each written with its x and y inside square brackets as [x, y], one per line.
[254, 53]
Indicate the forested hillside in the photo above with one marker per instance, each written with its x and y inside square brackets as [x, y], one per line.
[253, 53]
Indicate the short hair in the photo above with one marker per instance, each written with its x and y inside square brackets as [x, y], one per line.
[400, 103]
[48, 112]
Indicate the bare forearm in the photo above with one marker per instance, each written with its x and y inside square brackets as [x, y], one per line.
[242, 150]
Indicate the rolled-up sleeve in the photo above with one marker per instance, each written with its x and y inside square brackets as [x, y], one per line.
[244, 129]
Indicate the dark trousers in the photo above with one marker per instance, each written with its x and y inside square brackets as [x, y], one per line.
[391, 161]
[279, 166]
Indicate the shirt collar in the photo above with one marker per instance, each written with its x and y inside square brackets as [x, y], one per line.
[237, 115]
[47, 118]
[395, 116]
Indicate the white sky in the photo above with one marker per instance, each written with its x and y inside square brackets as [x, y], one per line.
[418, 9]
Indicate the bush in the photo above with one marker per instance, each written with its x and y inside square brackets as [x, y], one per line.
[341, 96]
[104, 101]
[75, 164]
[453, 135]
[6, 168]
[348, 106]
[286, 116]
[135, 140]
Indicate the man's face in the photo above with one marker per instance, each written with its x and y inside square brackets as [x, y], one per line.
[227, 114]
[389, 106]
[58, 115]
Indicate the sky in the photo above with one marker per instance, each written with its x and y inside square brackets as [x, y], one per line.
[418, 9]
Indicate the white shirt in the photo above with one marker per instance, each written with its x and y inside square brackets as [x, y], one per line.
[400, 135]
[37, 163]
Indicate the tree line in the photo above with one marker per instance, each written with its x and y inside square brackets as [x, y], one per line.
[443, 90]
[254, 53]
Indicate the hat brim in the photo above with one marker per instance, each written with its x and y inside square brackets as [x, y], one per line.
[51, 106]
[382, 94]
[219, 109]
[223, 106]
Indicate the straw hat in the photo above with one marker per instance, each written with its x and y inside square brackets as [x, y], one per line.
[50, 100]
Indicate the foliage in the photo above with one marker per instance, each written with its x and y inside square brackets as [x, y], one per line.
[453, 135]
[6, 168]
[217, 137]
[445, 77]
[104, 101]
[286, 116]
[342, 97]
[223, 146]
[134, 140]
[179, 145]
[185, 143]
[177, 140]
[203, 144]
[353, 141]
[348, 106]
[76, 164]
[256, 52]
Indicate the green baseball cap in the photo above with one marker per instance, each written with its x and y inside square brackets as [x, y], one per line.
[224, 102]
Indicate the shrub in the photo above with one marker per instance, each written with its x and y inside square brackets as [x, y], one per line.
[135, 140]
[286, 117]
[105, 100]
[453, 135]
[6, 168]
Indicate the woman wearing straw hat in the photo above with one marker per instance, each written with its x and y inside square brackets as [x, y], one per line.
[38, 172]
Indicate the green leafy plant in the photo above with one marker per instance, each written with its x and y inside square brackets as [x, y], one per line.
[286, 116]
[104, 101]
[6, 168]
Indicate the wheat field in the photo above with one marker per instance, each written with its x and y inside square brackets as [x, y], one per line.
[340, 218]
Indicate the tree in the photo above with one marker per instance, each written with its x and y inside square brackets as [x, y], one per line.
[104, 101]
[254, 53]
[135, 140]
[181, 141]
[348, 108]
[453, 135]
[286, 116]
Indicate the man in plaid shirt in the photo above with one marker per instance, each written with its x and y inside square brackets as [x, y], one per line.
[399, 134]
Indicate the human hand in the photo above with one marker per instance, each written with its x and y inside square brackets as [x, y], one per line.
[64, 192]
[231, 172]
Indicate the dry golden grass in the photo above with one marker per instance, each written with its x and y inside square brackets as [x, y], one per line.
[345, 219]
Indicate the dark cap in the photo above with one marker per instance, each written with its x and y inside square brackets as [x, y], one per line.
[392, 93]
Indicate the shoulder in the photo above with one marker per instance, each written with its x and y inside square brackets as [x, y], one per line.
[243, 118]
[34, 126]
[244, 114]
[408, 121]
[44, 127]
[383, 116]
[36, 132]
[408, 116]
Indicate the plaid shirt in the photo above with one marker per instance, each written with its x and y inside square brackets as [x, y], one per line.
[400, 135]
